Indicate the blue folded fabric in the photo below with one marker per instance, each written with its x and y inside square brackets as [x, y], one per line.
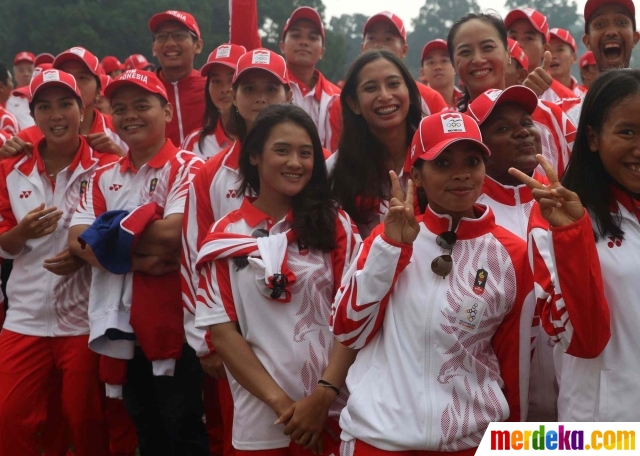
[111, 245]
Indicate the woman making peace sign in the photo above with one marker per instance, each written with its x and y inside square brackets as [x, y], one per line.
[448, 287]
[590, 292]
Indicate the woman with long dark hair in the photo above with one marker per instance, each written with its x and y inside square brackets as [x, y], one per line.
[584, 236]
[478, 48]
[213, 137]
[268, 275]
[380, 111]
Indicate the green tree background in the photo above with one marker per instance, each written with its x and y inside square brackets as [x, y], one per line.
[116, 27]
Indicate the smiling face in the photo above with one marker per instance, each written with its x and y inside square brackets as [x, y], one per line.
[382, 96]
[384, 35]
[611, 37]
[256, 90]
[530, 40]
[57, 115]
[221, 87]
[302, 45]
[514, 142]
[480, 57]
[174, 46]
[139, 117]
[563, 58]
[437, 69]
[285, 165]
[618, 143]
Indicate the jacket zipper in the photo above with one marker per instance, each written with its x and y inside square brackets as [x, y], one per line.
[177, 95]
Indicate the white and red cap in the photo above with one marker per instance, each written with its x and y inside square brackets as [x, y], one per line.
[592, 5]
[111, 64]
[185, 19]
[587, 59]
[52, 78]
[79, 54]
[308, 13]
[136, 62]
[516, 52]
[45, 57]
[564, 35]
[482, 107]
[432, 45]
[225, 54]
[387, 16]
[262, 59]
[535, 17]
[438, 131]
[146, 80]
[24, 56]
[105, 80]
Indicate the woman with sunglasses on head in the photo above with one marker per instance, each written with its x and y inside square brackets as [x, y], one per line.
[267, 301]
[380, 110]
[213, 137]
[434, 304]
[589, 290]
[479, 50]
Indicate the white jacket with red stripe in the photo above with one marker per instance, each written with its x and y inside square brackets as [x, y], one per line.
[292, 339]
[557, 133]
[439, 358]
[212, 144]
[588, 296]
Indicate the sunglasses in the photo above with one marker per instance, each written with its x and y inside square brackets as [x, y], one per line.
[443, 264]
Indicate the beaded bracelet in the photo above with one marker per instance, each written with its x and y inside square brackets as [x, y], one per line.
[326, 384]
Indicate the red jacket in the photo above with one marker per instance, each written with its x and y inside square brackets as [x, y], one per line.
[187, 98]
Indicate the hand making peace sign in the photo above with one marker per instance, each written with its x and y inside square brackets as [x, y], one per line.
[400, 224]
[559, 206]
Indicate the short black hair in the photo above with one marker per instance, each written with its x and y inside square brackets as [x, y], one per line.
[4, 73]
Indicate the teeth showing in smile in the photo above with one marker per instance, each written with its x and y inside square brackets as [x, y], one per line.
[58, 128]
[172, 54]
[479, 73]
[292, 176]
[132, 127]
[635, 167]
[612, 46]
[387, 110]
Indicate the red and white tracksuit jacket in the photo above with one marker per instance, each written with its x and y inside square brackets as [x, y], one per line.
[212, 144]
[290, 336]
[578, 89]
[439, 358]
[572, 107]
[317, 102]
[557, 133]
[187, 98]
[164, 180]
[556, 92]
[588, 296]
[19, 107]
[42, 303]
[512, 208]
[102, 123]
[8, 123]
[432, 101]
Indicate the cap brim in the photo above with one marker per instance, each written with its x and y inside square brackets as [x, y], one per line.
[160, 18]
[118, 84]
[204, 71]
[521, 95]
[237, 75]
[48, 85]
[69, 56]
[436, 150]
[305, 13]
[15, 62]
[21, 92]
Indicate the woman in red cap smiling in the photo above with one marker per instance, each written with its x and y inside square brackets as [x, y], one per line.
[439, 346]
[46, 329]
[219, 69]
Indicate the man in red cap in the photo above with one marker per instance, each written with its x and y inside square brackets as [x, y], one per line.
[137, 62]
[112, 66]
[302, 46]
[176, 43]
[8, 122]
[18, 103]
[610, 32]
[530, 29]
[23, 65]
[563, 51]
[588, 70]
[385, 30]
[437, 71]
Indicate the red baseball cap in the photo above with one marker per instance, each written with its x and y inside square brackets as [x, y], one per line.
[262, 59]
[185, 19]
[587, 59]
[81, 55]
[111, 63]
[137, 62]
[225, 54]
[387, 16]
[480, 108]
[438, 131]
[564, 35]
[304, 12]
[592, 5]
[52, 78]
[40, 68]
[144, 79]
[433, 45]
[24, 57]
[105, 80]
[45, 57]
[535, 17]
[516, 52]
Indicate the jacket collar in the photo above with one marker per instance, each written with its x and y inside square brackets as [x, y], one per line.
[166, 153]
[468, 228]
